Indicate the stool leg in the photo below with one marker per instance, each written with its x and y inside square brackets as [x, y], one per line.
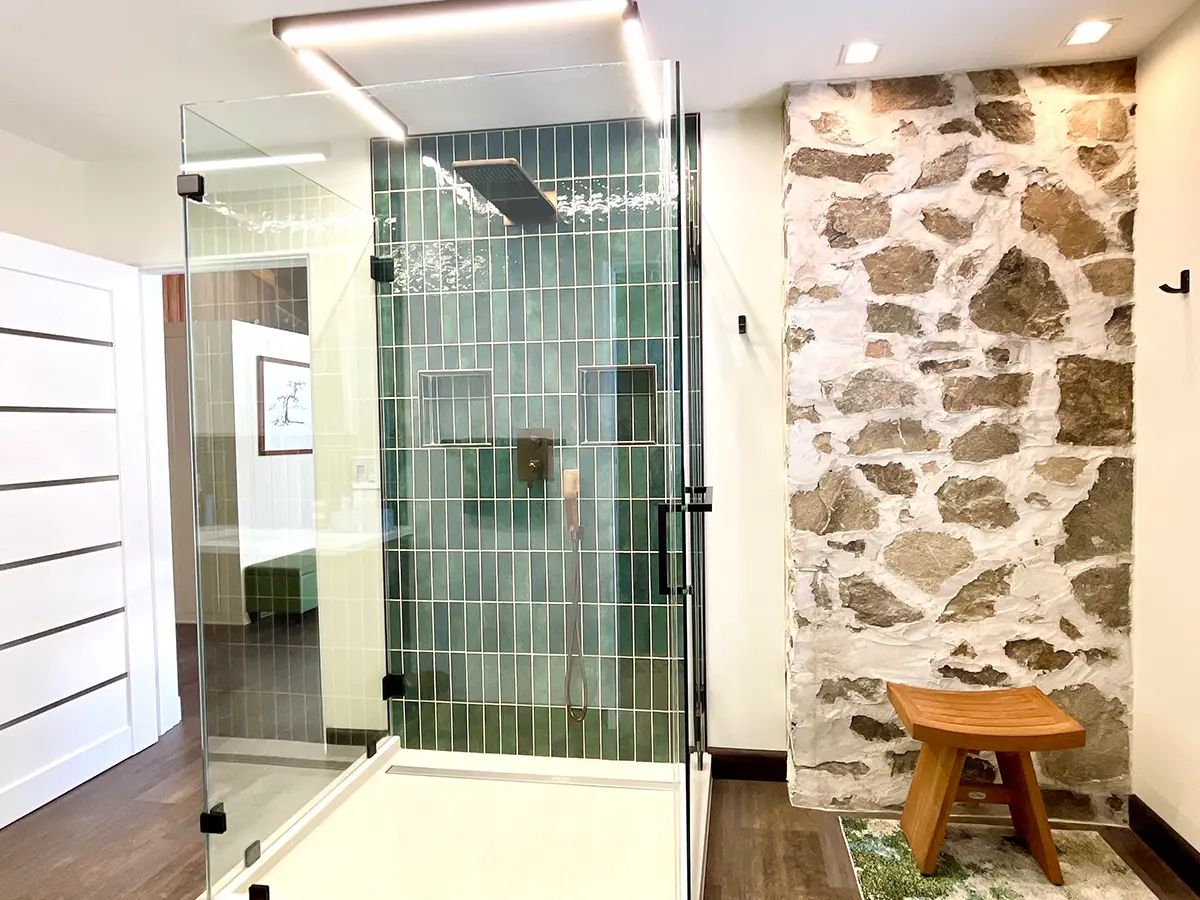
[1029, 811]
[927, 809]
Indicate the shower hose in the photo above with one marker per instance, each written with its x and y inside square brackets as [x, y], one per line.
[575, 672]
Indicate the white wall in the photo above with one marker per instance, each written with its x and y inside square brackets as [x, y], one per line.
[1166, 617]
[275, 493]
[41, 193]
[741, 185]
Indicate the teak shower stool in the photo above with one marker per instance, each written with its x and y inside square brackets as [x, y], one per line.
[952, 724]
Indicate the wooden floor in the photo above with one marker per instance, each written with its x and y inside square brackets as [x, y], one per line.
[131, 833]
[762, 848]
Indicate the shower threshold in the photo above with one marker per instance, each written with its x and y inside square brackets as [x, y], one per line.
[447, 825]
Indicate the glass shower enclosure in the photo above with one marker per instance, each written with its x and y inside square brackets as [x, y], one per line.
[446, 408]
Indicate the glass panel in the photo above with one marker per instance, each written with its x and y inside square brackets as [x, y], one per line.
[289, 544]
[527, 399]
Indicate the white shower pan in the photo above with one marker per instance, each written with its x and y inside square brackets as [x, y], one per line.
[441, 825]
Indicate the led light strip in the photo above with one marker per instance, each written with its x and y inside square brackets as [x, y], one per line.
[325, 29]
[249, 162]
[353, 94]
[639, 57]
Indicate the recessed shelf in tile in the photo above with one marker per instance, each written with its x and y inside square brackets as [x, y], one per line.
[456, 408]
[618, 404]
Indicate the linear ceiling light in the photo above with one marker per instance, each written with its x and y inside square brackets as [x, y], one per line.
[859, 52]
[325, 29]
[1089, 32]
[249, 162]
[639, 57]
[352, 93]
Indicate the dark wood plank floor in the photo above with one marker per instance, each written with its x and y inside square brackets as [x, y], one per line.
[130, 833]
[761, 848]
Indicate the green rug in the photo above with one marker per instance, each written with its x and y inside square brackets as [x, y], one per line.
[984, 862]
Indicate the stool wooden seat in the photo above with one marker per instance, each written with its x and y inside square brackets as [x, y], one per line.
[952, 724]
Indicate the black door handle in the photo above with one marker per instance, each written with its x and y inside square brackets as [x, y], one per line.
[664, 557]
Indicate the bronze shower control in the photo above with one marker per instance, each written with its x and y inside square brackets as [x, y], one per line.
[535, 453]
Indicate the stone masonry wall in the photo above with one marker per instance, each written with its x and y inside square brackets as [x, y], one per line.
[960, 409]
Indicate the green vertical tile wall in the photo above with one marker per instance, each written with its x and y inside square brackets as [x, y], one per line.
[479, 577]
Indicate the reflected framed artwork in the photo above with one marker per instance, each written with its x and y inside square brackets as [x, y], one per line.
[284, 407]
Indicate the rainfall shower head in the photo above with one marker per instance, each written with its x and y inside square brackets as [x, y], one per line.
[507, 186]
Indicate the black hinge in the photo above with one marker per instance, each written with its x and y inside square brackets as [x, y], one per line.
[253, 852]
[383, 269]
[190, 187]
[214, 820]
[393, 686]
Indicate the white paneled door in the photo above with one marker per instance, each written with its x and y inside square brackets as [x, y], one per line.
[87, 653]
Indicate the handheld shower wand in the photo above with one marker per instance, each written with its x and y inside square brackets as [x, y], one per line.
[574, 670]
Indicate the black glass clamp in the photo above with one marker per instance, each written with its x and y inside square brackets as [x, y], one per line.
[214, 820]
[190, 187]
[383, 269]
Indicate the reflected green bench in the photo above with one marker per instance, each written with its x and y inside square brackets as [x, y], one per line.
[281, 586]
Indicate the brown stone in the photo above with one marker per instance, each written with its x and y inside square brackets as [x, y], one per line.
[1115, 77]
[873, 730]
[857, 547]
[959, 126]
[1038, 655]
[990, 182]
[906, 129]
[802, 413]
[832, 127]
[999, 356]
[836, 504]
[901, 269]
[821, 594]
[1125, 226]
[845, 89]
[996, 82]
[1095, 406]
[1008, 120]
[988, 676]
[939, 347]
[893, 318]
[977, 770]
[1123, 185]
[1103, 592]
[968, 392]
[903, 762]
[823, 442]
[1067, 627]
[842, 769]
[870, 690]
[1020, 297]
[1110, 277]
[986, 441]
[870, 389]
[893, 478]
[929, 467]
[948, 322]
[1102, 523]
[879, 349]
[941, 367]
[927, 559]
[982, 502]
[922, 92]
[1099, 160]
[1096, 655]
[795, 338]
[875, 605]
[964, 651]
[1038, 499]
[1058, 213]
[947, 168]
[1106, 755]
[1119, 327]
[1061, 469]
[823, 292]
[969, 267]
[945, 224]
[907, 435]
[852, 220]
[976, 600]
[814, 162]
[1098, 120]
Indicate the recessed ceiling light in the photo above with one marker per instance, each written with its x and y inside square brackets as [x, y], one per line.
[249, 162]
[858, 53]
[1090, 32]
[323, 29]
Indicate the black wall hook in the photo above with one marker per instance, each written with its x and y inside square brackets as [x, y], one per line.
[1185, 284]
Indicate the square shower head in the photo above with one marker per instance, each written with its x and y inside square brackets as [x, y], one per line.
[508, 187]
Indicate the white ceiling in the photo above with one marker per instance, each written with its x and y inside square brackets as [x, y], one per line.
[104, 80]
